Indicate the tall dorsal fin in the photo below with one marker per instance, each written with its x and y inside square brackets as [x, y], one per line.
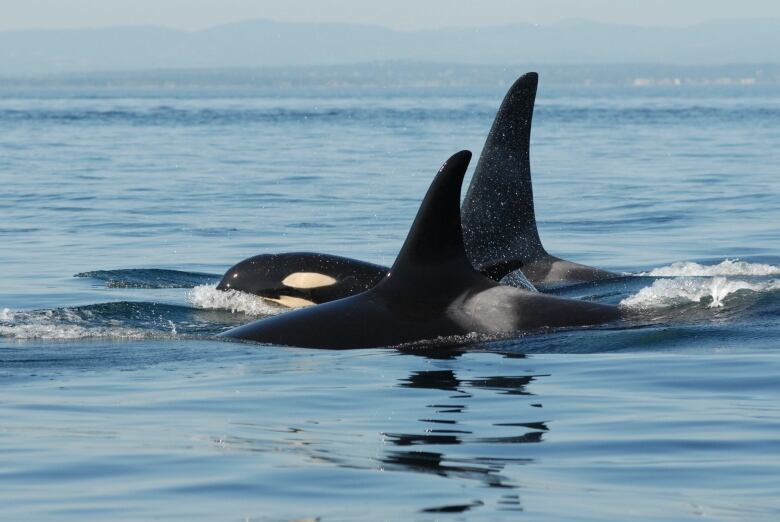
[436, 236]
[499, 224]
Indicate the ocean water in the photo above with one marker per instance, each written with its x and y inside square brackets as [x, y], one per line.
[118, 402]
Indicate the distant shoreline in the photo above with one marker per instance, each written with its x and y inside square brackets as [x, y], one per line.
[281, 45]
[389, 75]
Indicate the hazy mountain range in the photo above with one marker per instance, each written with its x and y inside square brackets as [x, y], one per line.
[254, 44]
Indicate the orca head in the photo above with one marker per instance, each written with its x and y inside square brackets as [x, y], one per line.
[259, 275]
[296, 279]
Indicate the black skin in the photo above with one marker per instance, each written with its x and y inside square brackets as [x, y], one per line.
[499, 224]
[263, 275]
[431, 291]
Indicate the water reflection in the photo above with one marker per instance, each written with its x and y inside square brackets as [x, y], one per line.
[442, 351]
[460, 420]
[433, 380]
[401, 439]
[476, 435]
[458, 508]
[507, 385]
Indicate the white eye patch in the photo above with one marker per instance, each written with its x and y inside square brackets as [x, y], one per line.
[307, 280]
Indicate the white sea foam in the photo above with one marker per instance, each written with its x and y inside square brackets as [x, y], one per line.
[69, 332]
[728, 267]
[208, 297]
[95, 322]
[64, 324]
[670, 292]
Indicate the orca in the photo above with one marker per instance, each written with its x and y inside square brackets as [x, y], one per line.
[432, 291]
[296, 279]
[499, 223]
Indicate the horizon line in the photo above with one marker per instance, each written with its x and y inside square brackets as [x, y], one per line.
[563, 21]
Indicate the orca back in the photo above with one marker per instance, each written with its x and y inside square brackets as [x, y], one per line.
[431, 291]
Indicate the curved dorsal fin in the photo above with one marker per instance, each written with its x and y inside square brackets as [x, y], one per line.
[498, 210]
[436, 236]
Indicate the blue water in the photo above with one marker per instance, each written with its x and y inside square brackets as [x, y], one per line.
[117, 402]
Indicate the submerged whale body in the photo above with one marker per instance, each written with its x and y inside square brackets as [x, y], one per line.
[431, 291]
[499, 227]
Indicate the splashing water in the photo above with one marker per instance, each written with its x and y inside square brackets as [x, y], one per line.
[726, 268]
[209, 298]
[126, 320]
[66, 324]
[6, 314]
[670, 292]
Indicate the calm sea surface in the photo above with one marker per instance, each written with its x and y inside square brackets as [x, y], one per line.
[117, 401]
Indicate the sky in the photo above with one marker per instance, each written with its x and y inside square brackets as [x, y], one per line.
[397, 14]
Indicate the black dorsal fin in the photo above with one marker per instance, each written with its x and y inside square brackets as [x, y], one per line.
[436, 238]
[499, 224]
